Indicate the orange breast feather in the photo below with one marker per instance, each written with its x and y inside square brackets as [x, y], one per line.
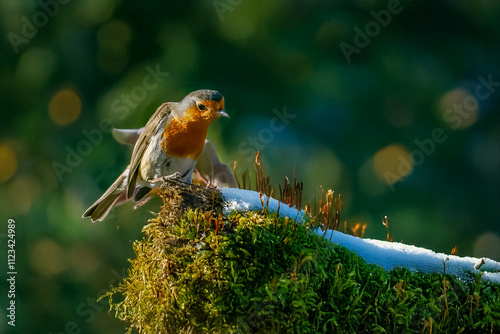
[185, 137]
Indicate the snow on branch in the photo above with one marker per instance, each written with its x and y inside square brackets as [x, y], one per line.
[389, 255]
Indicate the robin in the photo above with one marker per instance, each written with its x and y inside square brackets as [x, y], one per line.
[168, 147]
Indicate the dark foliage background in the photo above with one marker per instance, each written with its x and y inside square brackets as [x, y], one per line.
[353, 123]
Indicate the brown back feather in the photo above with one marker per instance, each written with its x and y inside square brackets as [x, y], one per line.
[140, 146]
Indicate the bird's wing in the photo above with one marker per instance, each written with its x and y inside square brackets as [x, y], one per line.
[126, 136]
[153, 125]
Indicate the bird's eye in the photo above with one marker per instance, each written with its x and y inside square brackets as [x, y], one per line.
[200, 106]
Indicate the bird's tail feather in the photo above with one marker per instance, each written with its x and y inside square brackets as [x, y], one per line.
[114, 196]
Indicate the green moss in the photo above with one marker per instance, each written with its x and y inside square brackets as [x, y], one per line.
[198, 272]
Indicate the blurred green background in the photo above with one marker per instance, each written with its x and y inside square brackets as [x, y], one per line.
[70, 69]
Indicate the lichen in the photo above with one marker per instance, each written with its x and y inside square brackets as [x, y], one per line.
[197, 271]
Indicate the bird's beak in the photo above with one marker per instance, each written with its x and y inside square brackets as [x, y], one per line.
[222, 113]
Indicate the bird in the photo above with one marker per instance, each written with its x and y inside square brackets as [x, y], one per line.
[167, 148]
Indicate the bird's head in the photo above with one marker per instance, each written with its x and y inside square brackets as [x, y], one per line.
[203, 104]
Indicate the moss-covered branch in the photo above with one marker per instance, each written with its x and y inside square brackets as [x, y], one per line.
[200, 272]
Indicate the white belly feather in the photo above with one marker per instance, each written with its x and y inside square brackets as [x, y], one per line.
[155, 164]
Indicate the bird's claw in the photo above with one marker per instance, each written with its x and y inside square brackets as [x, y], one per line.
[174, 177]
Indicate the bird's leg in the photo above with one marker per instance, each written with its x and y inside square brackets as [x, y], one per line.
[142, 202]
[207, 182]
